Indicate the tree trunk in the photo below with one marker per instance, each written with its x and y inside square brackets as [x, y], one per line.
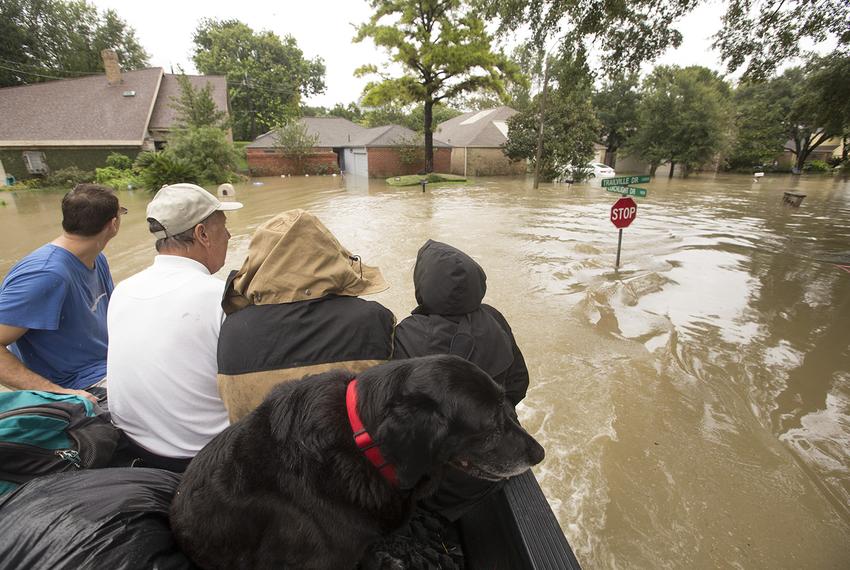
[429, 136]
[672, 166]
[538, 156]
[611, 156]
[653, 166]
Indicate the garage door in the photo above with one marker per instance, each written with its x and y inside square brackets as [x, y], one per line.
[360, 166]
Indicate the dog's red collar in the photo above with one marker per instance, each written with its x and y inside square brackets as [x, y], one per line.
[363, 440]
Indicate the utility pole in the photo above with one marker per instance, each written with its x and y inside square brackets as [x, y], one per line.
[540, 131]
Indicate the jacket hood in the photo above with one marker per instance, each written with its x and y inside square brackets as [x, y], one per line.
[294, 257]
[447, 281]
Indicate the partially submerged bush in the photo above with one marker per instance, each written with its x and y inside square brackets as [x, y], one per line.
[119, 179]
[119, 161]
[70, 176]
[816, 166]
[158, 169]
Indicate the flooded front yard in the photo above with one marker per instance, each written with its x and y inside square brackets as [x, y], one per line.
[694, 405]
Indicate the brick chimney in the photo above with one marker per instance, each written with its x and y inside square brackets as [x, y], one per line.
[110, 64]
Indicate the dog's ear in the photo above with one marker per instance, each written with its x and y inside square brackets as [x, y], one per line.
[413, 438]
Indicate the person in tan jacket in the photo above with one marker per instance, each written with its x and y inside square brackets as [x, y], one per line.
[293, 310]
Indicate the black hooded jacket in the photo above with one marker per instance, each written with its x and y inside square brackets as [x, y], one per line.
[451, 319]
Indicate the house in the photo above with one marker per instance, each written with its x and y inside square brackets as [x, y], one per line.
[824, 152]
[79, 122]
[342, 145]
[266, 158]
[477, 139]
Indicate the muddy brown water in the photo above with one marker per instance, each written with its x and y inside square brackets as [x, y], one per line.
[694, 405]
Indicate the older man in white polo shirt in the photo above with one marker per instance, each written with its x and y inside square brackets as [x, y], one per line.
[163, 326]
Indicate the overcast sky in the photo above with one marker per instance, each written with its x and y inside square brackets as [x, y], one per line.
[324, 28]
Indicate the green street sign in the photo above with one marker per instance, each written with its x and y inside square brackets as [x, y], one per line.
[628, 191]
[624, 181]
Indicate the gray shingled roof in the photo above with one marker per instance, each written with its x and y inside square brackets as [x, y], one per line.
[485, 128]
[332, 132]
[339, 132]
[389, 136]
[64, 113]
[164, 115]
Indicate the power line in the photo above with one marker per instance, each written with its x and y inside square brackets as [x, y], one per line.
[38, 67]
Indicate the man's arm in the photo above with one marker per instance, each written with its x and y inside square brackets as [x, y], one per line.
[14, 375]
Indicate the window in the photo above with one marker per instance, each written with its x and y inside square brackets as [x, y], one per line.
[34, 161]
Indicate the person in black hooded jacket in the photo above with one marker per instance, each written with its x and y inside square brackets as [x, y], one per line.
[451, 319]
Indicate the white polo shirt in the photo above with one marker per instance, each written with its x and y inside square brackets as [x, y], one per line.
[161, 363]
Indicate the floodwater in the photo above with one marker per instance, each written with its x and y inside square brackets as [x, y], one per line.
[695, 405]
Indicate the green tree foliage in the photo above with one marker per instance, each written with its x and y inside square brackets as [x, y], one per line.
[42, 39]
[570, 126]
[444, 51]
[616, 105]
[685, 117]
[351, 112]
[760, 35]
[266, 75]
[757, 35]
[207, 150]
[811, 103]
[196, 107]
[759, 132]
[517, 90]
[295, 142]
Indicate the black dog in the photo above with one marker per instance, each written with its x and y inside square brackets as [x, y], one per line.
[288, 487]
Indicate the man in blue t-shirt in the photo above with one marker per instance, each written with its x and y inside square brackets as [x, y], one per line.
[53, 302]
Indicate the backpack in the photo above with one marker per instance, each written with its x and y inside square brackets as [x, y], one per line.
[43, 433]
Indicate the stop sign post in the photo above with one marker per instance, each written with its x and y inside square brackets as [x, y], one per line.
[623, 213]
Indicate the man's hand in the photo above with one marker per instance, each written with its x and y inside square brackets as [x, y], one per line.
[16, 376]
[90, 397]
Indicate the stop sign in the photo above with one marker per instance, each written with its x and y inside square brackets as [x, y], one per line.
[623, 212]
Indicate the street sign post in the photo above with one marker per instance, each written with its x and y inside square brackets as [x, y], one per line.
[623, 213]
[628, 191]
[624, 181]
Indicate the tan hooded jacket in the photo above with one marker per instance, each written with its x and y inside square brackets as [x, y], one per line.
[293, 310]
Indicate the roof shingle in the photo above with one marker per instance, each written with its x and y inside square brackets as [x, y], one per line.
[62, 113]
[486, 128]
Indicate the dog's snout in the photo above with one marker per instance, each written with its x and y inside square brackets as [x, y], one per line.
[536, 453]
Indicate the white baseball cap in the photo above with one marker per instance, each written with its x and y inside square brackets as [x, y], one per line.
[180, 207]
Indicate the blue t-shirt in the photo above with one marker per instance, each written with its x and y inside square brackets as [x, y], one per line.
[63, 304]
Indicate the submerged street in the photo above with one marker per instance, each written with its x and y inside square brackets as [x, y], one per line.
[694, 405]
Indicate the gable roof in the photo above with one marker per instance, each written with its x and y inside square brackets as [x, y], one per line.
[332, 132]
[62, 113]
[339, 132]
[485, 128]
[164, 115]
[389, 136]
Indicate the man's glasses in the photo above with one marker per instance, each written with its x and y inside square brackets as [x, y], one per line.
[122, 210]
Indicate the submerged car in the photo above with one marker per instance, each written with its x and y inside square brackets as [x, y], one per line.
[585, 172]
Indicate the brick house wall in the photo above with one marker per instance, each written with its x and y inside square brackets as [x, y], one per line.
[386, 161]
[484, 162]
[274, 162]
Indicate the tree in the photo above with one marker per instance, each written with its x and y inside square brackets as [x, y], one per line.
[812, 104]
[570, 126]
[46, 39]
[756, 34]
[616, 107]
[684, 117]
[444, 51]
[199, 140]
[759, 132]
[266, 75]
[295, 141]
[196, 107]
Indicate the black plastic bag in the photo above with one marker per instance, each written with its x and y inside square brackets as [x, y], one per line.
[100, 518]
